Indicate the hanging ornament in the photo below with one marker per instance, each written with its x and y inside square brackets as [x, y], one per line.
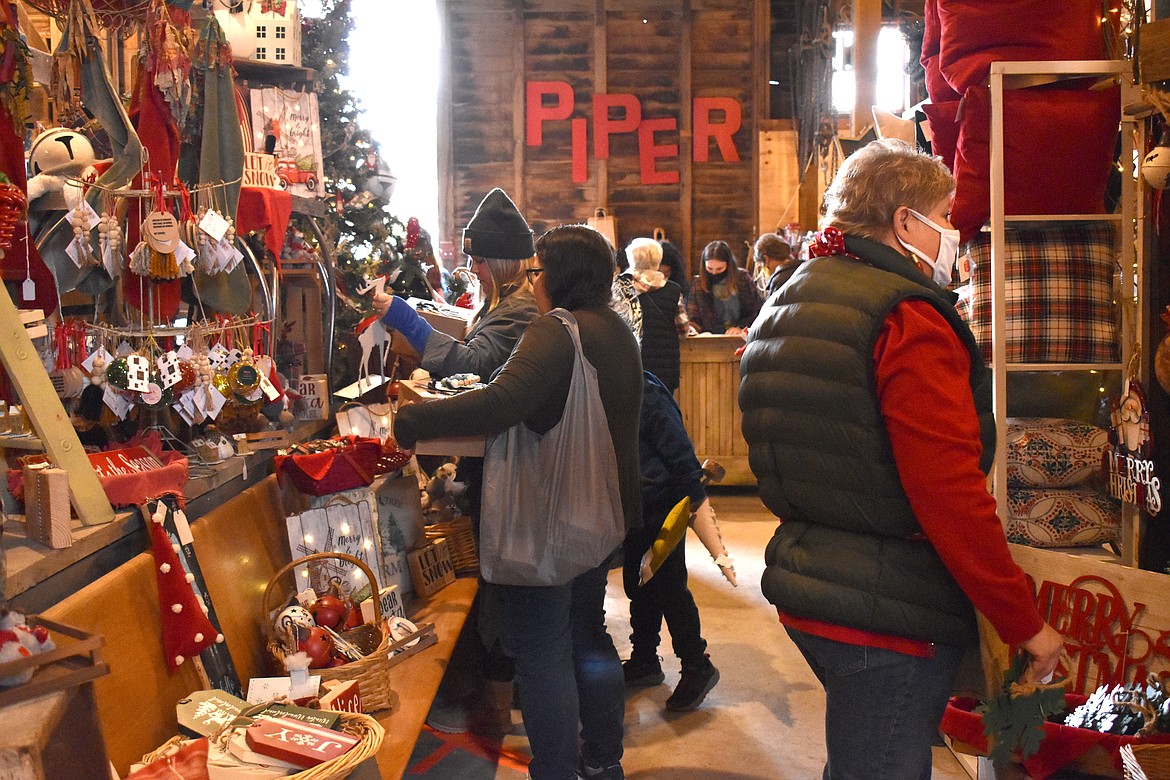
[220, 382]
[1156, 167]
[156, 396]
[12, 210]
[187, 377]
[98, 375]
[118, 373]
[244, 378]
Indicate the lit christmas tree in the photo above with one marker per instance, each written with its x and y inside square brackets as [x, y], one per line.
[369, 239]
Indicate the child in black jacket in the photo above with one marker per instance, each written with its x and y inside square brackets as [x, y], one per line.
[670, 471]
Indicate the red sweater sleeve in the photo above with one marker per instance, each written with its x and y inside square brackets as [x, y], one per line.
[922, 372]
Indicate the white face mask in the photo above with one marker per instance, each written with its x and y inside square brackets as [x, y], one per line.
[943, 264]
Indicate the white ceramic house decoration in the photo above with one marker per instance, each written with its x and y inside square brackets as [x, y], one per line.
[262, 30]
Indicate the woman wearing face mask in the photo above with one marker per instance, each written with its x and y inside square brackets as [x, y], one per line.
[723, 298]
[867, 412]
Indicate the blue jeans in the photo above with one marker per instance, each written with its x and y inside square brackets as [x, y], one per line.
[883, 707]
[567, 672]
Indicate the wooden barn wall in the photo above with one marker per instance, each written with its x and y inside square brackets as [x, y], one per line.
[665, 52]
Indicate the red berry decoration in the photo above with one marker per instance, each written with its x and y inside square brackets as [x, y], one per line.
[329, 611]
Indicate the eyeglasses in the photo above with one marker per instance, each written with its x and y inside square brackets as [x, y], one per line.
[533, 273]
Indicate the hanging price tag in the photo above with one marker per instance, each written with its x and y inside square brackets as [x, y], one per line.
[161, 230]
[213, 224]
[29, 290]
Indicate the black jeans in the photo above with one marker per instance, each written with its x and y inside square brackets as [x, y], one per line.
[666, 595]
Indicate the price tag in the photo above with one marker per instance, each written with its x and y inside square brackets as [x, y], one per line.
[160, 229]
[213, 224]
[29, 290]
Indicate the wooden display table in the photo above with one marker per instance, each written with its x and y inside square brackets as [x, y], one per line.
[417, 680]
[708, 395]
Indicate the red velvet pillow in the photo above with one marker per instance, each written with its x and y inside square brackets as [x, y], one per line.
[975, 33]
[944, 129]
[936, 86]
[1058, 151]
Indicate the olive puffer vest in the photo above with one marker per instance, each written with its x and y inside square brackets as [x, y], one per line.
[849, 550]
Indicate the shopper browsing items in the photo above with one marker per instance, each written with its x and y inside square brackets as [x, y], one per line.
[659, 299]
[867, 412]
[776, 262]
[670, 472]
[723, 297]
[496, 241]
[567, 669]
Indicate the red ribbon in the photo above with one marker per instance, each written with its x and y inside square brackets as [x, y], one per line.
[827, 243]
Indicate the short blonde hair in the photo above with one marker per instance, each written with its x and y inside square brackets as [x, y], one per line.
[878, 178]
[644, 254]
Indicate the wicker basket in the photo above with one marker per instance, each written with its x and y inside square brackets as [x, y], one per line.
[368, 731]
[461, 543]
[1151, 761]
[371, 672]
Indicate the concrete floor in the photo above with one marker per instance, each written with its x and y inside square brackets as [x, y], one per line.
[764, 719]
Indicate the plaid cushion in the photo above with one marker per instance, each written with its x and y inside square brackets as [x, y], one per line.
[1059, 294]
[1051, 452]
[1049, 517]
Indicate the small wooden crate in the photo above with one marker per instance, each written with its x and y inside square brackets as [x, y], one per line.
[248, 443]
[76, 660]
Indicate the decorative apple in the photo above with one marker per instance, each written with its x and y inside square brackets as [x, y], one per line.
[328, 610]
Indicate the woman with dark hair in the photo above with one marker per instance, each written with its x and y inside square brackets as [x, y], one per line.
[723, 298]
[674, 268]
[567, 669]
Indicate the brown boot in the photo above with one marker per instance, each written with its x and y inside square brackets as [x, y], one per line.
[497, 715]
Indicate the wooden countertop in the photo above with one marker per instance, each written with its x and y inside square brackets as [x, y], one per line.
[416, 680]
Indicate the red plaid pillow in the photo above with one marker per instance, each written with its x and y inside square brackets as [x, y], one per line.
[1059, 294]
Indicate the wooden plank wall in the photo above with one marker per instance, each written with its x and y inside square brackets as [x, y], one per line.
[665, 52]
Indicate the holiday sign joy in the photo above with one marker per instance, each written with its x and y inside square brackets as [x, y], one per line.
[550, 101]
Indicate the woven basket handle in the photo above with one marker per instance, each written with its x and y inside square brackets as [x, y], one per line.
[265, 603]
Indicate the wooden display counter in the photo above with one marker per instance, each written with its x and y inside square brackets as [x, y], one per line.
[708, 395]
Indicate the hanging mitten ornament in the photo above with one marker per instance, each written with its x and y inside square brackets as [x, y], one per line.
[185, 627]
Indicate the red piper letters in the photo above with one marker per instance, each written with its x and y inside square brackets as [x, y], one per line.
[715, 119]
